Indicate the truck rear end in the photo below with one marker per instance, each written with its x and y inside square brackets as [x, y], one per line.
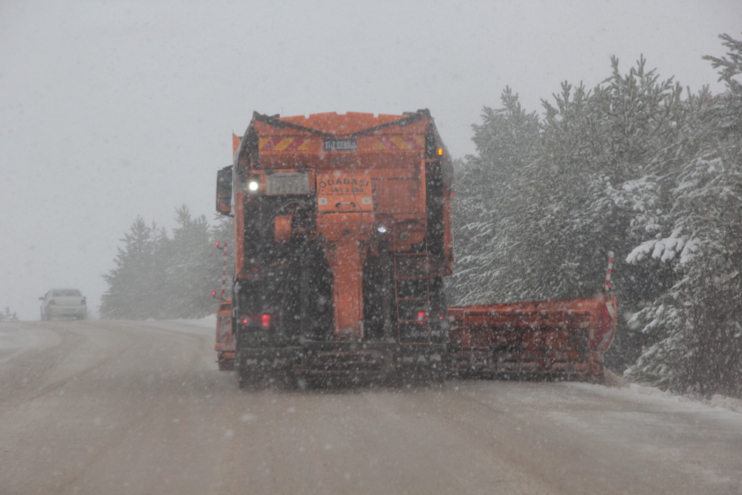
[342, 240]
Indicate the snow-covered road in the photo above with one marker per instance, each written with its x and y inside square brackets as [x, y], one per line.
[132, 407]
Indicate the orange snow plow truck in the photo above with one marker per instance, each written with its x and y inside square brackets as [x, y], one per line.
[342, 242]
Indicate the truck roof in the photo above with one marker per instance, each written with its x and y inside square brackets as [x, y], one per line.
[289, 141]
[341, 124]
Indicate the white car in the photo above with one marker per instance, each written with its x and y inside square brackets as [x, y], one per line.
[63, 303]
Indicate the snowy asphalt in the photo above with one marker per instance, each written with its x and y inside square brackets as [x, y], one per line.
[139, 407]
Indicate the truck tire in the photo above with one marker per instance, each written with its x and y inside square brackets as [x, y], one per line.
[247, 378]
[243, 379]
[225, 364]
[252, 379]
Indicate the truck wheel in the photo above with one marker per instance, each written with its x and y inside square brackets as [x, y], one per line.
[245, 373]
[242, 380]
[226, 364]
[282, 380]
[424, 377]
[250, 377]
[438, 376]
[246, 377]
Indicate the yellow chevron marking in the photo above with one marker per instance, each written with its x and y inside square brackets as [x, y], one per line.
[380, 145]
[285, 142]
[420, 140]
[262, 142]
[401, 143]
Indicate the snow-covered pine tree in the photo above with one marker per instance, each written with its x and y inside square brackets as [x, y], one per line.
[486, 200]
[159, 277]
[597, 148]
[572, 187]
[134, 284]
[696, 326]
[191, 267]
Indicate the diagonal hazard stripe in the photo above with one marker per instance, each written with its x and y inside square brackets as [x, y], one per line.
[400, 143]
[414, 142]
[283, 144]
[387, 143]
[267, 144]
[295, 144]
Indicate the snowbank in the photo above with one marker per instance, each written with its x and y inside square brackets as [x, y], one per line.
[650, 394]
[205, 322]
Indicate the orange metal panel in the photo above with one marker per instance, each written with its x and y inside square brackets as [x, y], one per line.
[282, 228]
[341, 190]
[346, 257]
[224, 340]
[398, 196]
[541, 336]
[345, 124]
[235, 143]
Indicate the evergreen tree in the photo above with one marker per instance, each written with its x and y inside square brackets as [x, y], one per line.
[134, 285]
[191, 268]
[161, 277]
[487, 199]
[555, 195]
[696, 326]
[7, 315]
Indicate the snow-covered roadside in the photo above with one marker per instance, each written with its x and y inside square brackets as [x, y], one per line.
[648, 394]
[199, 326]
[205, 322]
[717, 401]
[16, 338]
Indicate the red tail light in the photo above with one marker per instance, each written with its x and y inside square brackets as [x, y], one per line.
[265, 320]
[422, 317]
[51, 302]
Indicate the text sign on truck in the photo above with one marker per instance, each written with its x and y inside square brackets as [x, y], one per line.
[340, 144]
[344, 191]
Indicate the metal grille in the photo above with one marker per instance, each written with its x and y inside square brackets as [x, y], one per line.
[288, 183]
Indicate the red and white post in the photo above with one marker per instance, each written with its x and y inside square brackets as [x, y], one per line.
[223, 247]
[607, 286]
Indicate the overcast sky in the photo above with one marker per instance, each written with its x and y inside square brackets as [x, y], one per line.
[113, 109]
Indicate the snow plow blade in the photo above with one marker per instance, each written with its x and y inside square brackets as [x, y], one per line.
[563, 339]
